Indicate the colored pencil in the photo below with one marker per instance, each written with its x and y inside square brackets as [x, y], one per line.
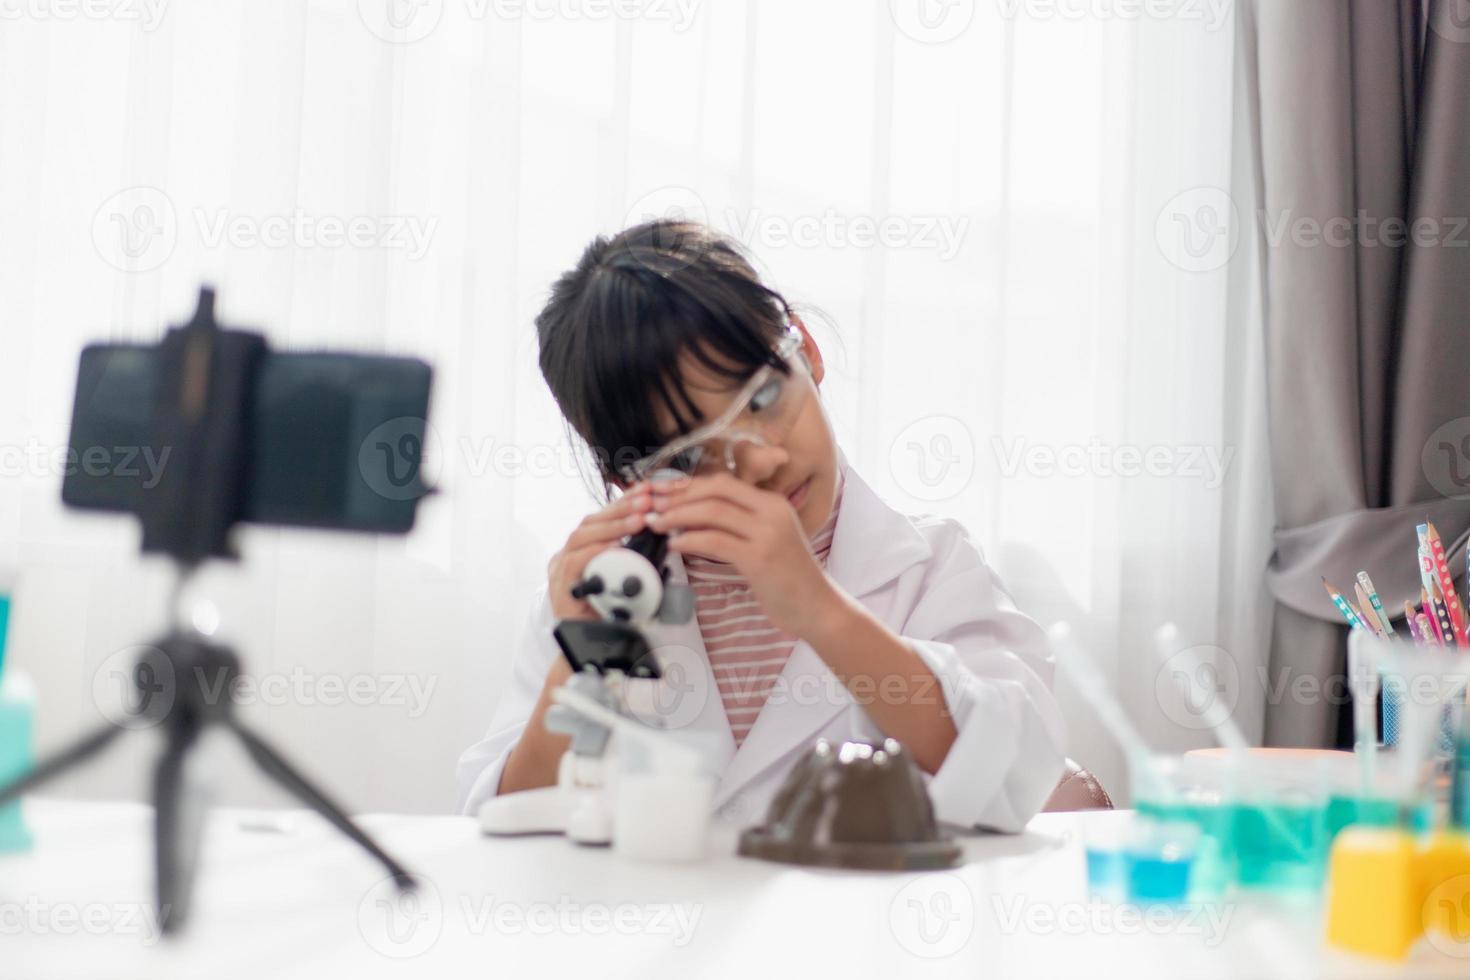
[1442, 616]
[1409, 621]
[1426, 603]
[1343, 606]
[1448, 594]
[1365, 612]
[1383, 620]
[1427, 589]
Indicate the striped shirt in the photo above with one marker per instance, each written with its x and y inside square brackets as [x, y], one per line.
[747, 653]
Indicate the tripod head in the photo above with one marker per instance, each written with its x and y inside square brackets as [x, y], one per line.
[201, 409]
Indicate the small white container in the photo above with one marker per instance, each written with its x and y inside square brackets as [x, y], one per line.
[662, 806]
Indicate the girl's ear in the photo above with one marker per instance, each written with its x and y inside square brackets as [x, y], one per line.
[810, 351]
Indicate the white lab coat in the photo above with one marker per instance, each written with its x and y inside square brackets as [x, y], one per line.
[925, 579]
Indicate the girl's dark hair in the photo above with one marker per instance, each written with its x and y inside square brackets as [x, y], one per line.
[616, 325]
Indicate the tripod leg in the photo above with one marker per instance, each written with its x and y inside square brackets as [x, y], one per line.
[74, 754]
[176, 829]
[274, 765]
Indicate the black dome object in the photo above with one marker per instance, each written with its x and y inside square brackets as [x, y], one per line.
[859, 806]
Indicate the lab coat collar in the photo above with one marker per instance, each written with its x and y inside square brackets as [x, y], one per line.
[872, 544]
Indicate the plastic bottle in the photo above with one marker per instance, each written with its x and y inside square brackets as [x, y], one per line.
[17, 721]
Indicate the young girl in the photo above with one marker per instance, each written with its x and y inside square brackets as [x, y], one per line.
[820, 611]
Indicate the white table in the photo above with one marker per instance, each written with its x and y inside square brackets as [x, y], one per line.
[306, 903]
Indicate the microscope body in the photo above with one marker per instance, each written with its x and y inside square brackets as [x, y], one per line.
[628, 588]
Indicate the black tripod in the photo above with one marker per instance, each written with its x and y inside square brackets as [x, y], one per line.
[205, 385]
[184, 683]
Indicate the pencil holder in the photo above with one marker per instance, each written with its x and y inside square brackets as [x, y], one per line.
[1395, 690]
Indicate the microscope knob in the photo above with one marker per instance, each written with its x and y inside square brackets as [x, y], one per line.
[592, 586]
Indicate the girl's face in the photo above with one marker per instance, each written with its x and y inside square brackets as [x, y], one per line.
[802, 463]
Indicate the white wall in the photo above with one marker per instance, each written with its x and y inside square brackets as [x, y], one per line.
[1021, 160]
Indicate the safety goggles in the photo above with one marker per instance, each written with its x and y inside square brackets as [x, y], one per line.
[761, 414]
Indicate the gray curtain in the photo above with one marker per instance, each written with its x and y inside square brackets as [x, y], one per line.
[1360, 113]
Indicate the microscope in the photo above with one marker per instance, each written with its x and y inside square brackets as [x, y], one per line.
[595, 801]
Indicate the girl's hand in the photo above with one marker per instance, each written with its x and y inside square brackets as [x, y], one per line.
[597, 533]
[759, 533]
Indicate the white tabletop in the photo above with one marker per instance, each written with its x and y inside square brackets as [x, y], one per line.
[304, 902]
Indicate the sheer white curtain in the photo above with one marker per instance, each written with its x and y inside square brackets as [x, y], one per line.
[983, 198]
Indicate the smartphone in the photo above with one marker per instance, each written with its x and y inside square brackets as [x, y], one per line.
[334, 440]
